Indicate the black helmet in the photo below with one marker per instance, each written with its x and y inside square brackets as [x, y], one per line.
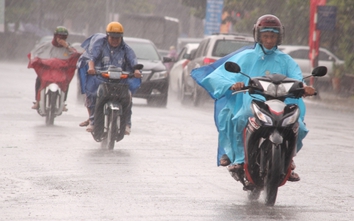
[268, 23]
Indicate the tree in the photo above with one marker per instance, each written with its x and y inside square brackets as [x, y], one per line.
[344, 31]
[294, 15]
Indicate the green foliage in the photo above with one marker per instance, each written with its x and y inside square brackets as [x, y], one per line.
[294, 15]
[343, 35]
[338, 70]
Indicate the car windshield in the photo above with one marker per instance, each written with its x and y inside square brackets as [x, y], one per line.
[225, 47]
[144, 51]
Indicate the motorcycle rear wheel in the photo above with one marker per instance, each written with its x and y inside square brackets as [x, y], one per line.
[272, 180]
[52, 99]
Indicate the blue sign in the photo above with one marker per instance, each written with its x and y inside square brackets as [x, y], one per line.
[326, 17]
[213, 16]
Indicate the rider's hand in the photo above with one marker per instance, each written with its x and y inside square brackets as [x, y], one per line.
[309, 91]
[237, 86]
[62, 42]
[65, 44]
[91, 71]
[137, 74]
[91, 67]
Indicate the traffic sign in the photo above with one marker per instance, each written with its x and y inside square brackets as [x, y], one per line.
[326, 17]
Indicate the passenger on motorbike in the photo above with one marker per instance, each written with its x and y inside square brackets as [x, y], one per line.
[57, 48]
[234, 110]
[101, 51]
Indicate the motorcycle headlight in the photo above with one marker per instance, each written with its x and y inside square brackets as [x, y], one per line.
[276, 91]
[291, 119]
[284, 88]
[262, 116]
[159, 75]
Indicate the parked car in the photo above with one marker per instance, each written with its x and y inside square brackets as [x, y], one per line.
[180, 64]
[181, 42]
[212, 48]
[154, 86]
[301, 56]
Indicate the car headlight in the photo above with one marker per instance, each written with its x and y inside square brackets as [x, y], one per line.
[262, 116]
[159, 75]
[291, 119]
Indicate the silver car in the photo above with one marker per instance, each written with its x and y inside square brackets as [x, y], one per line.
[301, 56]
[179, 66]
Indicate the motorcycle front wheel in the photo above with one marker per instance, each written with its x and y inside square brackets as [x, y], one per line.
[50, 108]
[112, 130]
[273, 176]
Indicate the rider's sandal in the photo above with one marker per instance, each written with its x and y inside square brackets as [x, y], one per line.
[90, 128]
[224, 160]
[65, 108]
[236, 171]
[294, 177]
[235, 167]
[85, 123]
[35, 106]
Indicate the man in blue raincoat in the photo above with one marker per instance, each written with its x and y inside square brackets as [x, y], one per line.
[233, 111]
[101, 51]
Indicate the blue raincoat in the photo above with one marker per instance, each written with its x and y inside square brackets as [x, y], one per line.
[98, 50]
[103, 55]
[232, 111]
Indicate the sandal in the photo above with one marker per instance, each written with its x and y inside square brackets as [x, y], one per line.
[235, 167]
[85, 123]
[65, 108]
[224, 160]
[35, 105]
[236, 171]
[90, 128]
[294, 177]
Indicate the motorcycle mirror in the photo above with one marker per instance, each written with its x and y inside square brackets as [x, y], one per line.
[138, 67]
[232, 67]
[319, 71]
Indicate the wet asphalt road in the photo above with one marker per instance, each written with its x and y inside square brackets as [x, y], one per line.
[165, 170]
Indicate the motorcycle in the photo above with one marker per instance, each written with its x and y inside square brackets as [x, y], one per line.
[51, 103]
[271, 134]
[55, 75]
[112, 106]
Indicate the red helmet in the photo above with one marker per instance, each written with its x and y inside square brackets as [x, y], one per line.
[268, 23]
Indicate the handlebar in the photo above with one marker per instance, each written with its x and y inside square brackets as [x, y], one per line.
[296, 93]
[117, 73]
